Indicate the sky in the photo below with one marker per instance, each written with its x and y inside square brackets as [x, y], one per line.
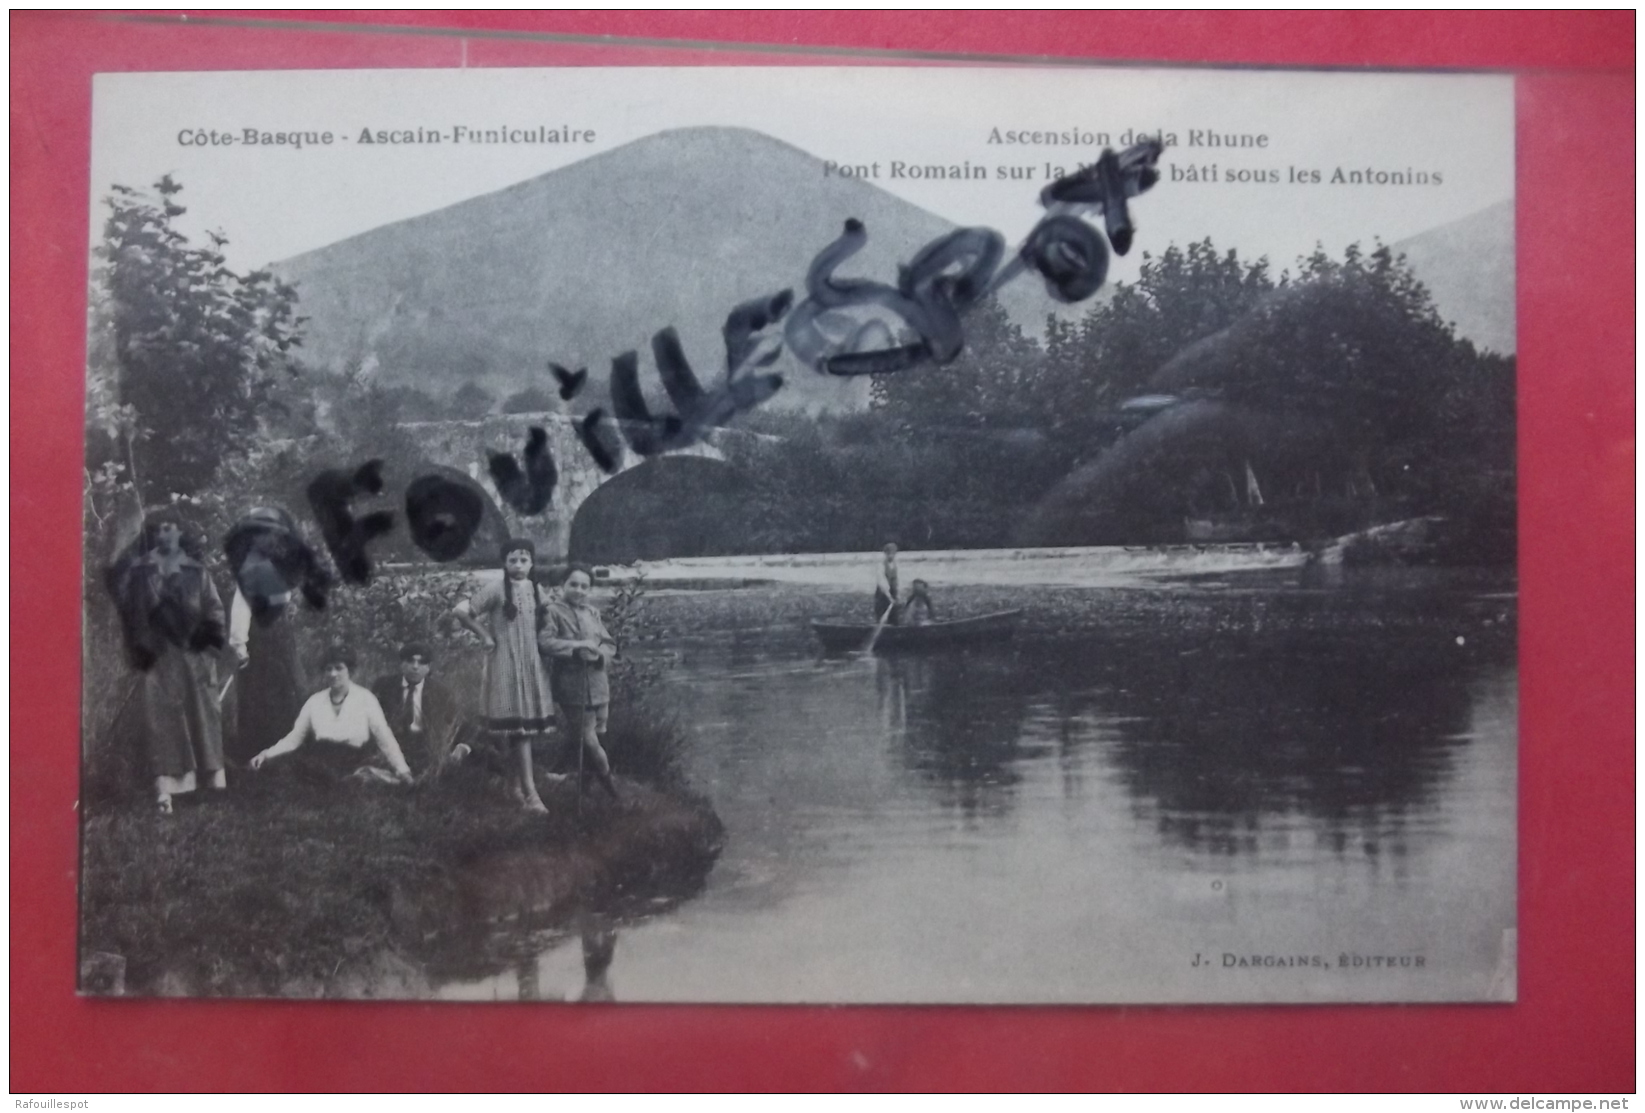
[274, 202]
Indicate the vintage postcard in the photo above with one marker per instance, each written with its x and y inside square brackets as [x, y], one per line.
[929, 535]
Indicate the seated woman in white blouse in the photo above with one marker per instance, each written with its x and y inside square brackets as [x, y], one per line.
[342, 719]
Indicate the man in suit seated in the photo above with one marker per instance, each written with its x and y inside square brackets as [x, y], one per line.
[421, 711]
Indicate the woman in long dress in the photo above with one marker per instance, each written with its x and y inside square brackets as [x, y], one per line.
[172, 618]
[517, 706]
[267, 556]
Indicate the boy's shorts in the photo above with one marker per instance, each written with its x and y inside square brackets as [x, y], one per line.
[571, 718]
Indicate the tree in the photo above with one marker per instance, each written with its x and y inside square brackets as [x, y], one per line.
[1068, 388]
[1339, 392]
[1354, 344]
[194, 347]
[1324, 401]
[1180, 296]
[531, 400]
[412, 404]
[989, 385]
[112, 428]
[470, 401]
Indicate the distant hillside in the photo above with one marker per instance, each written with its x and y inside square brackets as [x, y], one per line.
[1468, 265]
[589, 260]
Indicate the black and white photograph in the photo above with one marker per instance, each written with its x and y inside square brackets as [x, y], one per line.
[906, 535]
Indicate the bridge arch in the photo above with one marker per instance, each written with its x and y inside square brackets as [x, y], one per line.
[463, 447]
[670, 506]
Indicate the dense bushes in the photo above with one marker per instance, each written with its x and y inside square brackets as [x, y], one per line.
[1321, 401]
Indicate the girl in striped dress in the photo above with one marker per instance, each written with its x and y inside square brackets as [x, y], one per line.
[516, 702]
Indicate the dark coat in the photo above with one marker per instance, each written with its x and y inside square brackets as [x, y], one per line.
[158, 612]
[172, 624]
[429, 747]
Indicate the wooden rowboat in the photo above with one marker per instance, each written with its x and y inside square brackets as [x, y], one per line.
[845, 637]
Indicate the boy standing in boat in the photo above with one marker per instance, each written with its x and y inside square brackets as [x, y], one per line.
[886, 608]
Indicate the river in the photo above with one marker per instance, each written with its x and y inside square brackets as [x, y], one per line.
[1288, 784]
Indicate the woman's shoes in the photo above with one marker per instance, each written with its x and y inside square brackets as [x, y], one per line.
[164, 804]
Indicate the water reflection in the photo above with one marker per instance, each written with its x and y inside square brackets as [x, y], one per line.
[1073, 815]
[1225, 747]
[891, 688]
[525, 976]
[547, 967]
[960, 718]
[1355, 739]
[599, 947]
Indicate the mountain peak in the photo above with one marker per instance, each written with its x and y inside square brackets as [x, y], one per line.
[1468, 267]
[590, 260]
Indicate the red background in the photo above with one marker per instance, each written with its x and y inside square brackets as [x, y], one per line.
[1573, 1028]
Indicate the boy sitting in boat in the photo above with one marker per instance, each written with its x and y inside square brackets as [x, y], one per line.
[917, 611]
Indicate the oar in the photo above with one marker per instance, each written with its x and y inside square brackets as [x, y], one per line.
[875, 636]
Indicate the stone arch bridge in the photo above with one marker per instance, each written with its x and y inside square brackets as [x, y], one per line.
[653, 507]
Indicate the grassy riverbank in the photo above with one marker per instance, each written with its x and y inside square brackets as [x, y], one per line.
[281, 888]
